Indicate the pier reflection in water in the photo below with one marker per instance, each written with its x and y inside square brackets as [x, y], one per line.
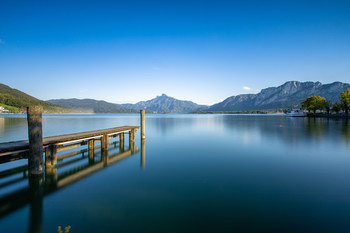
[70, 168]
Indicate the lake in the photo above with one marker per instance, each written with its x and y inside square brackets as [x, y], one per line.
[194, 173]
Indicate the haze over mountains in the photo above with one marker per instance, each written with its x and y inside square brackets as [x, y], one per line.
[288, 95]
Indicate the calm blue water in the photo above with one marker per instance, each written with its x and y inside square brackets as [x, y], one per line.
[200, 173]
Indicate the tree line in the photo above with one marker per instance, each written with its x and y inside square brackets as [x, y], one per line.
[318, 103]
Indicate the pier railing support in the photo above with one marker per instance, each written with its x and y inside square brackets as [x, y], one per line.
[104, 142]
[131, 136]
[51, 156]
[142, 113]
[121, 142]
[91, 146]
[35, 135]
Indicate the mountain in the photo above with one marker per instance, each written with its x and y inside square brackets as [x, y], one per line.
[288, 95]
[91, 105]
[166, 104]
[15, 100]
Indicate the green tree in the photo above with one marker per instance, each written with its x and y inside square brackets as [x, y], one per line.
[328, 106]
[314, 103]
[336, 107]
[345, 100]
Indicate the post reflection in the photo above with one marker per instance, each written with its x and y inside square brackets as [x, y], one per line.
[36, 195]
[143, 155]
[53, 180]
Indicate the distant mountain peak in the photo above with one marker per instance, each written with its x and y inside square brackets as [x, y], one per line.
[166, 104]
[164, 96]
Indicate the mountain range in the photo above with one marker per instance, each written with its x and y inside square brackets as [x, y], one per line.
[288, 95]
[92, 106]
[15, 100]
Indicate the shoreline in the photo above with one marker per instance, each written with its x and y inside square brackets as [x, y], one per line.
[333, 116]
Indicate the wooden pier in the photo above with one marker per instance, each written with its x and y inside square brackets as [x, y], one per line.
[46, 176]
[34, 148]
[11, 151]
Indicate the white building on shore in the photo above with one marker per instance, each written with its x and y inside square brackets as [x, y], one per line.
[2, 109]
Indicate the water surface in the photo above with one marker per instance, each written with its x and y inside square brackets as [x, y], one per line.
[199, 173]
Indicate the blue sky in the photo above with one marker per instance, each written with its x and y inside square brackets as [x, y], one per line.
[204, 51]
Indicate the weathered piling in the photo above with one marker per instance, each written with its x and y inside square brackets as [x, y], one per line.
[51, 156]
[104, 142]
[142, 113]
[131, 136]
[91, 146]
[91, 150]
[35, 135]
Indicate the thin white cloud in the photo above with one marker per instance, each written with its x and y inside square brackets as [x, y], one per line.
[2, 42]
[246, 88]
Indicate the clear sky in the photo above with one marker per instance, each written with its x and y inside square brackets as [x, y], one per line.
[204, 51]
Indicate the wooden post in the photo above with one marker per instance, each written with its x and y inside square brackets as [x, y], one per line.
[35, 135]
[51, 156]
[131, 136]
[142, 113]
[91, 146]
[132, 147]
[91, 151]
[121, 142]
[104, 142]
